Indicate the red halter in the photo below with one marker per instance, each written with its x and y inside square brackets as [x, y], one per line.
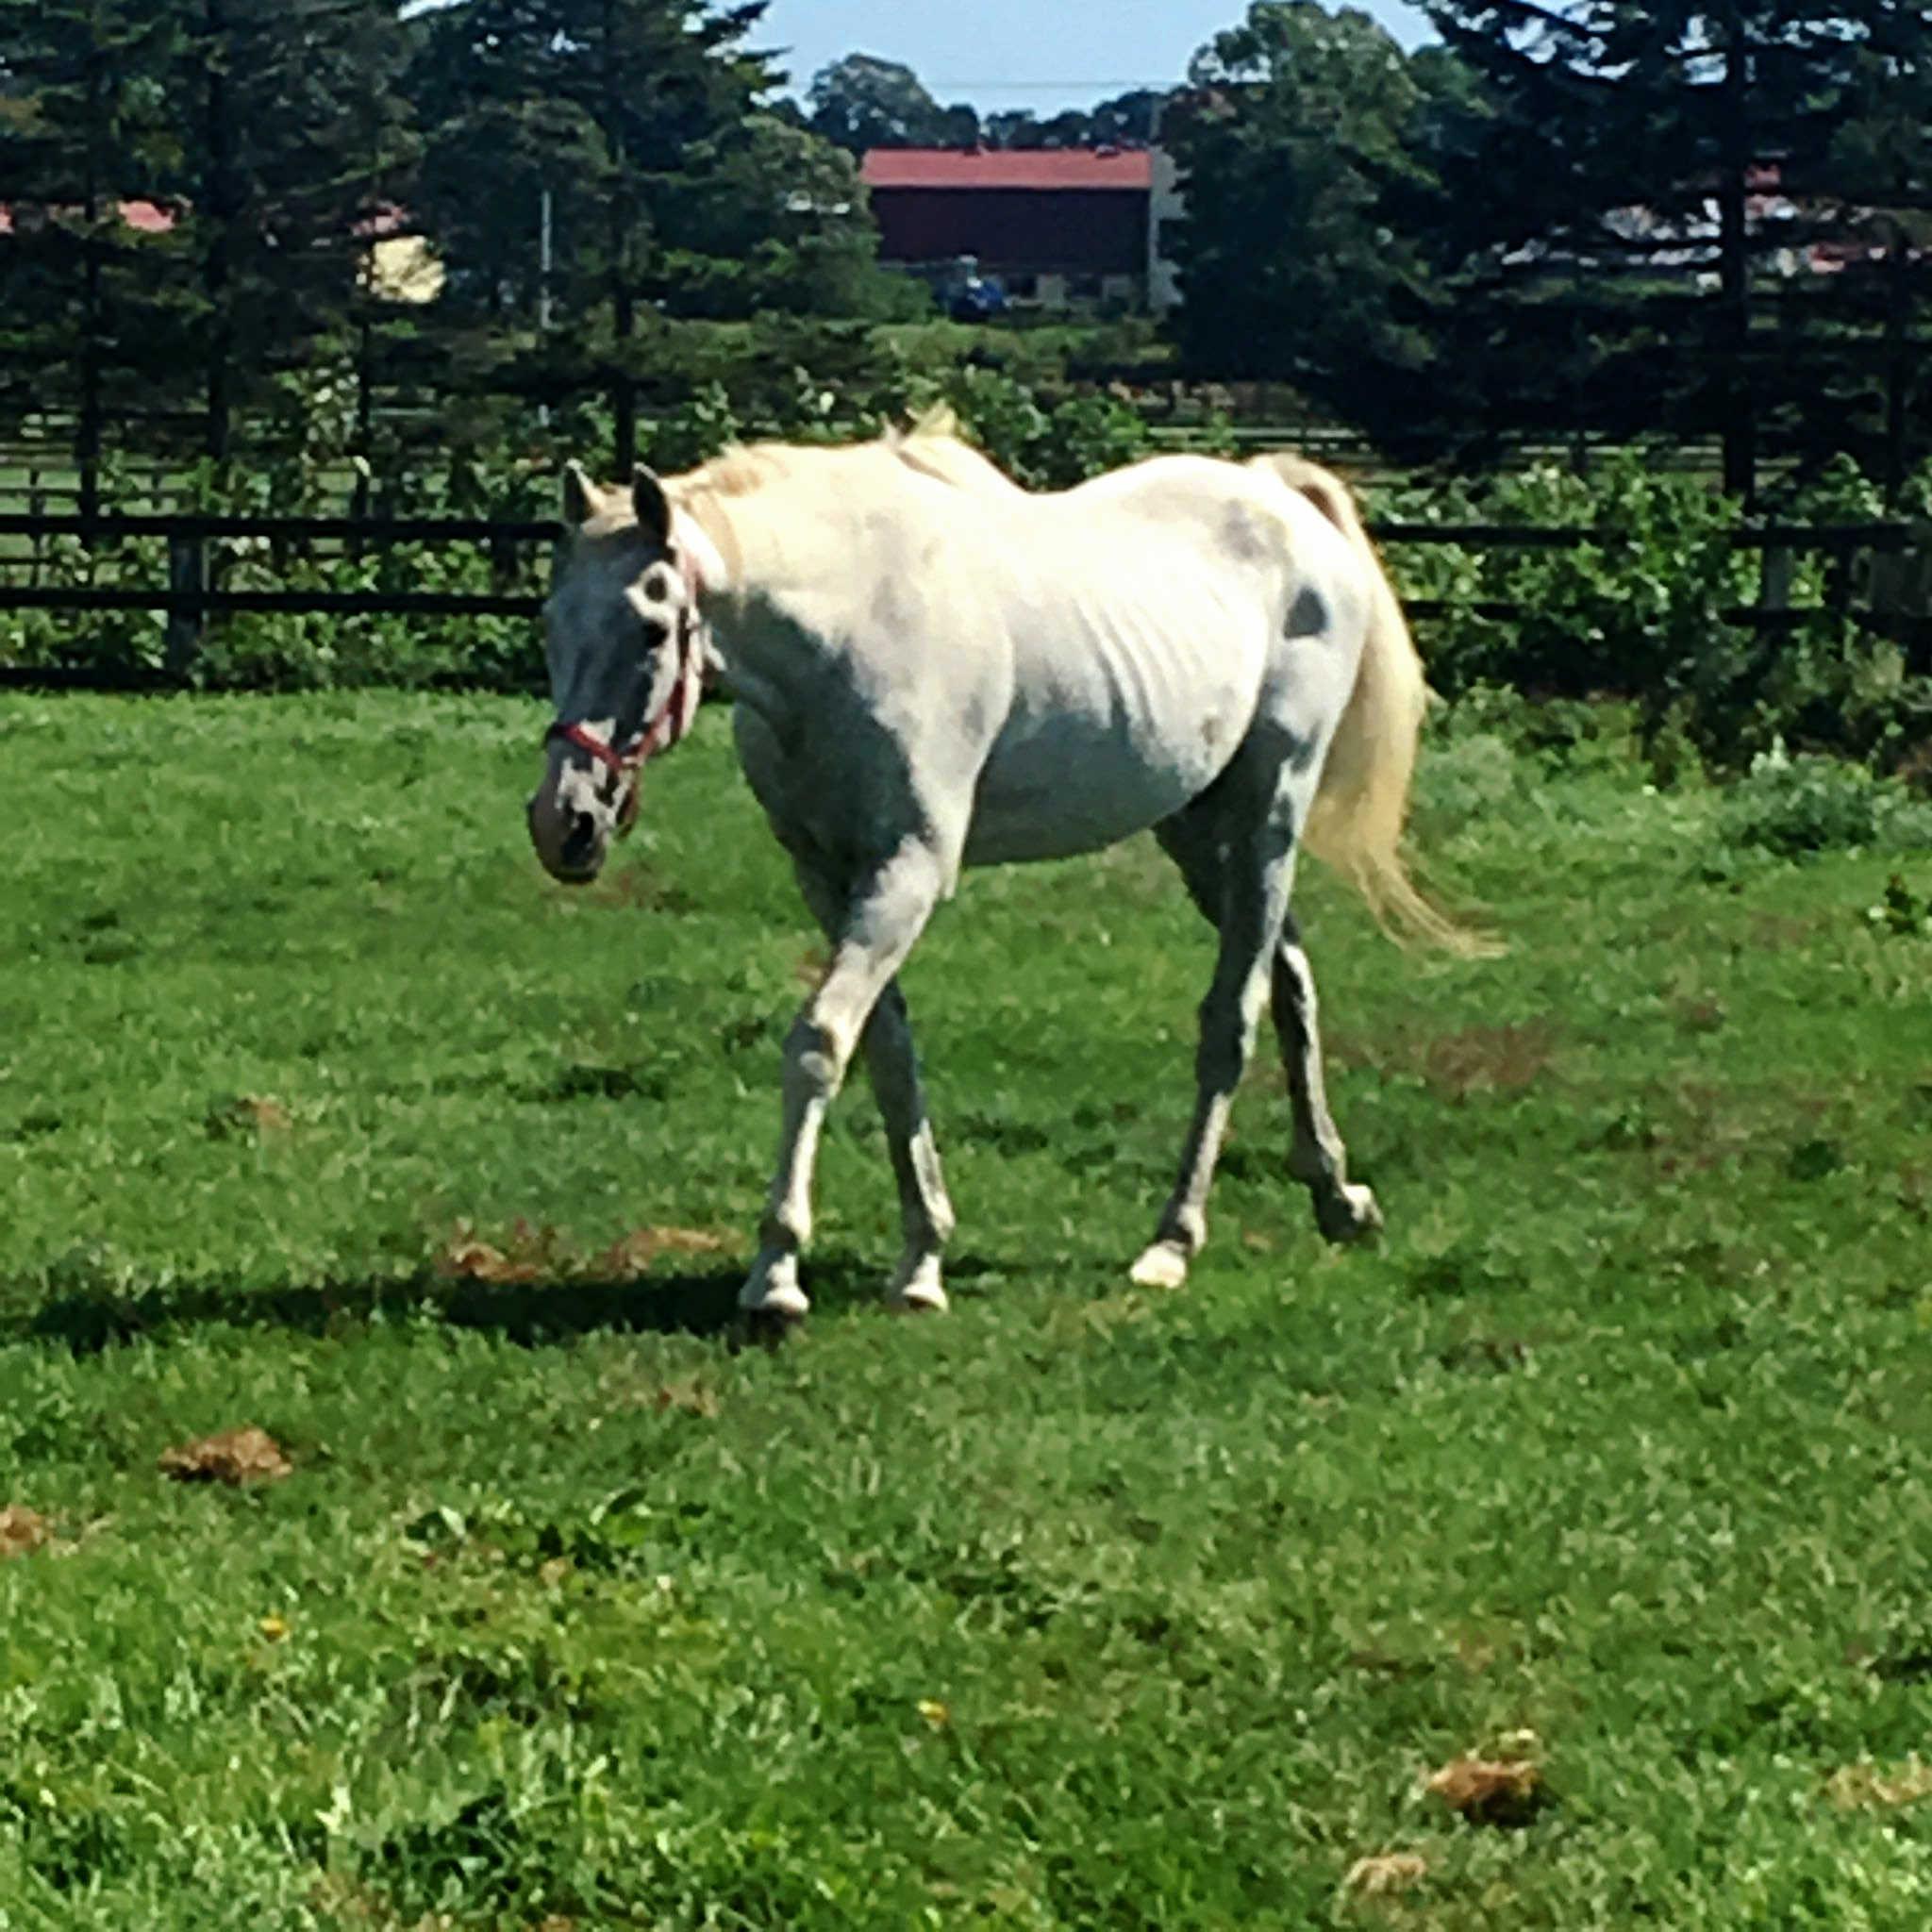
[679, 709]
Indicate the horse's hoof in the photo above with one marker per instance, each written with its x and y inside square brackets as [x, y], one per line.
[774, 1297]
[1348, 1214]
[918, 1291]
[919, 1301]
[1164, 1265]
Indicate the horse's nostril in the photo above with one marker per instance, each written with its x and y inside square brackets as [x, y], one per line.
[580, 838]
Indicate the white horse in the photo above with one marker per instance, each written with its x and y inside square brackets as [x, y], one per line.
[933, 669]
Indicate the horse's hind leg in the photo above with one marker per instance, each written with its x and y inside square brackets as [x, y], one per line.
[872, 931]
[1345, 1211]
[924, 1211]
[1239, 867]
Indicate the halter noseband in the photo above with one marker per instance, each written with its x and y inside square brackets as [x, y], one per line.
[679, 708]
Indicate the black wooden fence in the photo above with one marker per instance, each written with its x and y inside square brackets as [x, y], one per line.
[1878, 572]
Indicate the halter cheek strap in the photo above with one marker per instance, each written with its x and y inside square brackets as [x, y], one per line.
[679, 709]
[622, 762]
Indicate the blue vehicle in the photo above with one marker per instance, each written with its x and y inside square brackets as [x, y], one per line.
[971, 296]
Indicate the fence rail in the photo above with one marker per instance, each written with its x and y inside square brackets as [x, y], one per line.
[214, 602]
[194, 592]
[38, 466]
[373, 531]
[378, 531]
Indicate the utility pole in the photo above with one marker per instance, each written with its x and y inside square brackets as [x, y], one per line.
[93, 218]
[544, 261]
[1734, 263]
[221, 212]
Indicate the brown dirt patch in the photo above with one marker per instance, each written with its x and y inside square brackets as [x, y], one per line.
[1490, 1790]
[1385, 1875]
[22, 1531]
[1510, 1058]
[236, 1457]
[1505, 1059]
[248, 1116]
[1869, 1787]
[530, 1254]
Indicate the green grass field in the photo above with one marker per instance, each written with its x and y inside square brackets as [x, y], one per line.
[1086, 1606]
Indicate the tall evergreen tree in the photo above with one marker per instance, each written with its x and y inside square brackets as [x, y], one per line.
[81, 136]
[1880, 182]
[1623, 183]
[600, 105]
[671, 191]
[292, 136]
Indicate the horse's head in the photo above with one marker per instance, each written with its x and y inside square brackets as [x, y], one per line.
[627, 666]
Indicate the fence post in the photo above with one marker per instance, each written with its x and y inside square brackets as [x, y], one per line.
[1902, 596]
[37, 506]
[1841, 579]
[1775, 580]
[188, 579]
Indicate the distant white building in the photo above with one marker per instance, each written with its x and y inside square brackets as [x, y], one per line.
[1167, 210]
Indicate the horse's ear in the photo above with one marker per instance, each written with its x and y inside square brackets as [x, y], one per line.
[652, 508]
[582, 499]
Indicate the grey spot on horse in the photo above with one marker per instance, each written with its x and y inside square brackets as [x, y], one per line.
[1309, 615]
[1247, 535]
[891, 608]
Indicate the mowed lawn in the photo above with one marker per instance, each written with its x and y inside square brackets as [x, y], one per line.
[321, 1111]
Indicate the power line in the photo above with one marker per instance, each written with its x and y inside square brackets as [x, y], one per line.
[1014, 86]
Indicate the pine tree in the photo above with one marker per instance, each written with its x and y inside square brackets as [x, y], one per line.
[81, 135]
[292, 136]
[1880, 179]
[1612, 189]
[671, 192]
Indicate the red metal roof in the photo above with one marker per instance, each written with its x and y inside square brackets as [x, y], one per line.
[144, 217]
[1126, 170]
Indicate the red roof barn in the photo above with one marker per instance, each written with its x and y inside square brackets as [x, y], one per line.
[1053, 225]
[143, 217]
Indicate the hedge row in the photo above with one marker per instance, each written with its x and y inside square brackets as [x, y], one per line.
[1638, 612]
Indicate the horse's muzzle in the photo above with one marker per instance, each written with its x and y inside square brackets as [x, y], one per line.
[570, 840]
[583, 846]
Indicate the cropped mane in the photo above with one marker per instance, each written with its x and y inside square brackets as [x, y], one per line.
[704, 494]
[736, 470]
[933, 446]
[930, 446]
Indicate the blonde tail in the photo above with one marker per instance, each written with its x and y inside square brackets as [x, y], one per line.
[1360, 811]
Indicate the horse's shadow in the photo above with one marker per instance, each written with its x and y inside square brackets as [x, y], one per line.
[531, 1314]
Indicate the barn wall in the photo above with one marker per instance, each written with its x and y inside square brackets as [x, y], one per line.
[1017, 231]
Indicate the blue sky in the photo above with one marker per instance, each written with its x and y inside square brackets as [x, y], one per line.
[1038, 54]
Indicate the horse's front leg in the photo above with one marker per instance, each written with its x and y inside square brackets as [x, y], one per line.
[925, 1212]
[872, 931]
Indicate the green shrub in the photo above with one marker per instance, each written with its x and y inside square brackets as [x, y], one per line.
[1046, 448]
[1796, 807]
[1647, 608]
